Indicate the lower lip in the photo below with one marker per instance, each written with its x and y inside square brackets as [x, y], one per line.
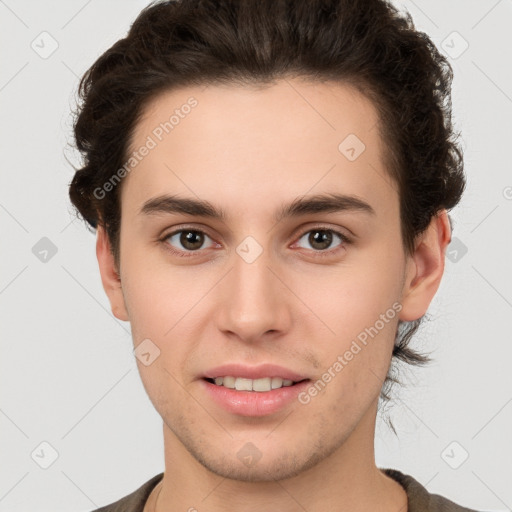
[254, 403]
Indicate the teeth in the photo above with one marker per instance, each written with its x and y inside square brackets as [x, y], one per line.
[277, 382]
[243, 384]
[261, 385]
[229, 382]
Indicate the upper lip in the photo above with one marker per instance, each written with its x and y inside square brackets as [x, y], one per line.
[252, 372]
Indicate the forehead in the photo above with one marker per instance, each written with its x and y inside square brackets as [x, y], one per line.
[248, 145]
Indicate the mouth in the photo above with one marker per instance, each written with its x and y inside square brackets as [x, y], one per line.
[261, 385]
[259, 390]
[259, 397]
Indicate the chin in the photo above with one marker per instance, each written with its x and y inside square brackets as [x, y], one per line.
[243, 467]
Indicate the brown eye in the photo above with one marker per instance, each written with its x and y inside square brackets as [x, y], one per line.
[191, 240]
[321, 239]
[186, 240]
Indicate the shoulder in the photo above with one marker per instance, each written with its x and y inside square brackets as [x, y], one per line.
[420, 500]
[135, 501]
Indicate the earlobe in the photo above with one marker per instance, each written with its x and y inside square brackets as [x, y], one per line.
[109, 275]
[425, 268]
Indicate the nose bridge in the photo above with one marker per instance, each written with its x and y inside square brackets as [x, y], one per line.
[254, 302]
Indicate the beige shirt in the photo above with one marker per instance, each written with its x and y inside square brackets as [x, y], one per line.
[419, 499]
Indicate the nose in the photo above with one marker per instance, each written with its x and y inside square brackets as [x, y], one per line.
[255, 302]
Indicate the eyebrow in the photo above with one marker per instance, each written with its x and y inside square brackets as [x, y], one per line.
[322, 203]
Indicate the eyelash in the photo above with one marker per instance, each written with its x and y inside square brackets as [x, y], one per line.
[187, 254]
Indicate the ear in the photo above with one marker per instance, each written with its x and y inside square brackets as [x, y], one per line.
[425, 268]
[109, 275]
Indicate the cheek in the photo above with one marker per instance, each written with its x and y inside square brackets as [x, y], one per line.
[360, 305]
[158, 310]
[164, 304]
[156, 294]
[350, 299]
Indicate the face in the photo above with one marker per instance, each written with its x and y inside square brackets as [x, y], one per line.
[308, 295]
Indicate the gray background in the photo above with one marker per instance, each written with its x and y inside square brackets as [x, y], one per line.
[68, 374]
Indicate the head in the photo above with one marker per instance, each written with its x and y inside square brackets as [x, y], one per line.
[250, 106]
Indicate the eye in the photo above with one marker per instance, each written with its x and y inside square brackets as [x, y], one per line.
[322, 238]
[186, 241]
[191, 240]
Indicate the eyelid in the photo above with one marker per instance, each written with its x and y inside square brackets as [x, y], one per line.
[179, 228]
[322, 227]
